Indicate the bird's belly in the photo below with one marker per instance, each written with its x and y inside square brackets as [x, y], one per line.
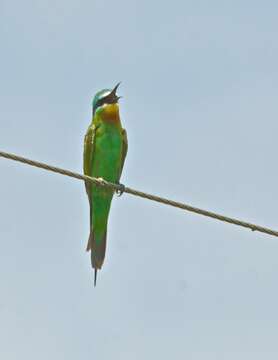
[107, 157]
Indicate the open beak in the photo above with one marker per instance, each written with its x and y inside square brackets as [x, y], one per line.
[113, 97]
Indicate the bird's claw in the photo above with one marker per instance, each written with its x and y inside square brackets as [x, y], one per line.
[120, 190]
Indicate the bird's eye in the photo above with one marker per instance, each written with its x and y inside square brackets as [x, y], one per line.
[104, 100]
[100, 102]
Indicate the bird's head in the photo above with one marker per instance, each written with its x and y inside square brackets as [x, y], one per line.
[105, 104]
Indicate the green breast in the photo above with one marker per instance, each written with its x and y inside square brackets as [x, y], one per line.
[107, 152]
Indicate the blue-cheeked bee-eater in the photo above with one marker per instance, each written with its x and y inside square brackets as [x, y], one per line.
[105, 148]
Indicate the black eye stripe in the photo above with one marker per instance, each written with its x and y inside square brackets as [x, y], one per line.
[106, 100]
[100, 102]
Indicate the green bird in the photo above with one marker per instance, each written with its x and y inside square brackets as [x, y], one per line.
[105, 148]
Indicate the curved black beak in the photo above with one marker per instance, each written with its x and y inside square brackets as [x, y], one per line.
[113, 97]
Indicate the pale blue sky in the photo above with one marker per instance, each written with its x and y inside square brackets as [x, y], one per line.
[199, 85]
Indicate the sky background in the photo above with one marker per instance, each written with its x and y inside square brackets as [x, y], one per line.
[199, 86]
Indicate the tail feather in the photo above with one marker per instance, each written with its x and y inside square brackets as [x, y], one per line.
[98, 248]
[89, 244]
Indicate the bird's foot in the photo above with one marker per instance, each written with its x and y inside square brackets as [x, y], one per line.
[120, 190]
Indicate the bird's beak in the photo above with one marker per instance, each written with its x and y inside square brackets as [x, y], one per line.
[113, 94]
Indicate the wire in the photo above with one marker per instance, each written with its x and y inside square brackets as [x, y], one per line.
[121, 188]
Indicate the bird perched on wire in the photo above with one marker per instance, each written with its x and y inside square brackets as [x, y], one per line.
[105, 148]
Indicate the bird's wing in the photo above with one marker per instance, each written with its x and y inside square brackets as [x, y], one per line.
[124, 151]
[88, 155]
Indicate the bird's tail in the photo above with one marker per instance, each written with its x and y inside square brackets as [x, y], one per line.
[97, 245]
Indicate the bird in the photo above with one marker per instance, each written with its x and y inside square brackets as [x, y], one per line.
[105, 149]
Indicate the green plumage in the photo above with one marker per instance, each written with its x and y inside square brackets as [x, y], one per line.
[105, 148]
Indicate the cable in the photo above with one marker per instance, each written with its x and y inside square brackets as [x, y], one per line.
[121, 188]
